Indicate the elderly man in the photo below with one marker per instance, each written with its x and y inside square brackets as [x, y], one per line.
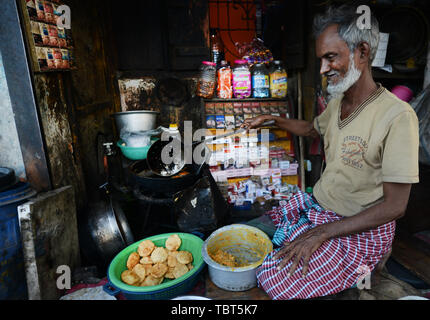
[328, 242]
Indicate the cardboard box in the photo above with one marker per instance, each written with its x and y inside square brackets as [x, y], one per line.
[220, 122]
[211, 122]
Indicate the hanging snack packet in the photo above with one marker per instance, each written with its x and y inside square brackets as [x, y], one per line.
[35, 31]
[58, 58]
[44, 33]
[49, 12]
[40, 10]
[31, 9]
[53, 36]
[62, 42]
[65, 58]
[41, 57]
[49, 53]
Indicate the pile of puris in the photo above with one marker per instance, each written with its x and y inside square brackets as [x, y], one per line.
[150, 265]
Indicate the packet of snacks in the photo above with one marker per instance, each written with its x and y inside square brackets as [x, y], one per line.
[35, 31]
[58, 58]
[65, 58]
[31, 8]
[62, 42]
[49, 12]
[53, 36]
[57, 13]
[41, 57]
[40, 11]
[50, 61]
[254, 52]
[44, 33]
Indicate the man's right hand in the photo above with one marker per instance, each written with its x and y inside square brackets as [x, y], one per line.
[255, 123]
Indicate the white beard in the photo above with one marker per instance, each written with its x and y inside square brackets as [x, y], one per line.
[351, 77]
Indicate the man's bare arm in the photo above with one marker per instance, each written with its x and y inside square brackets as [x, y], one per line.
[396, 197]
[393, 207]
[297, 127]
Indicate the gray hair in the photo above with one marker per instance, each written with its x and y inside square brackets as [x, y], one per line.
[346, 18]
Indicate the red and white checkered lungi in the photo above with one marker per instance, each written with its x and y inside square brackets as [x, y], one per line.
[336, 266]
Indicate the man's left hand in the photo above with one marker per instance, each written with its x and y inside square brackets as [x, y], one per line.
[302, 248]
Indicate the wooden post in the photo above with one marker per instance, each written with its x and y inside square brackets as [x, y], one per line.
[301, 139]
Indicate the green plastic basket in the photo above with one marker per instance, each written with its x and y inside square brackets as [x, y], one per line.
[169, 288]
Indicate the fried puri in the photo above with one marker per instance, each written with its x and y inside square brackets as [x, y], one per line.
[150, 265]
[158, 270]
[159, 255]
[171, 261]
[151, 281]
[146, 260]
[173, 243]
[145, 248]
[180, 270]
[130, 278]
[133, 260]
[184, 257]
[169, 274]
[140, 270]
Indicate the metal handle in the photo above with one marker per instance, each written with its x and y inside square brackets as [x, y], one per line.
[198, 234]
[110, 289]
[140, 196]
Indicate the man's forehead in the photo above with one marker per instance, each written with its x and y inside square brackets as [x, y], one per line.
[330, 41]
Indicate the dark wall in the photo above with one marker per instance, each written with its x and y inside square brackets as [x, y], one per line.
[168, 35]
[76, 105]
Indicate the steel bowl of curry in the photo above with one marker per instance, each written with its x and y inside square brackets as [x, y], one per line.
[233, 255]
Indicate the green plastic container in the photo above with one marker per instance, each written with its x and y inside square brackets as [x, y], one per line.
[135, 154]
[169, 289]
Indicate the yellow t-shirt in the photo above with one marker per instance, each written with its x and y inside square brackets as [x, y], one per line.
[377, 143]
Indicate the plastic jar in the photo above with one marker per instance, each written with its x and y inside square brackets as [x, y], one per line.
[278, 81]
[207, 80]
[260, 81]
[225, 87]
[242, 86]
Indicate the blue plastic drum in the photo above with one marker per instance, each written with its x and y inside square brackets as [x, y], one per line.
[13, 285]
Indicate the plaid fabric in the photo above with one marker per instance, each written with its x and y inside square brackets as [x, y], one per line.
[336, 266]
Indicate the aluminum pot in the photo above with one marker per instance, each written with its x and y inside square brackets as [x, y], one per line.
[249, 244]
[135, 121]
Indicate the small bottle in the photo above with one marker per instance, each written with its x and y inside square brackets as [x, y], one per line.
[242, 85]
[173, 129]
[278, 81]
[217, 48]
[173, 132]
[260, 81]
[207, 80]
[225, 88]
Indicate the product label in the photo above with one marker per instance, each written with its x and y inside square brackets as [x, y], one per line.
[260, 81]
[242, 84]
[261, 86]
[278, 84]
[225, 90]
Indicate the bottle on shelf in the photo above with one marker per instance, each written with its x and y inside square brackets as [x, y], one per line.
[207, 80]
[225, 74]
[278, 81]
[242, 86]
[217, 47]
[260, 81]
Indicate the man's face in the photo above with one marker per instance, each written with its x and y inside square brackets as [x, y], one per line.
[337, 62]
